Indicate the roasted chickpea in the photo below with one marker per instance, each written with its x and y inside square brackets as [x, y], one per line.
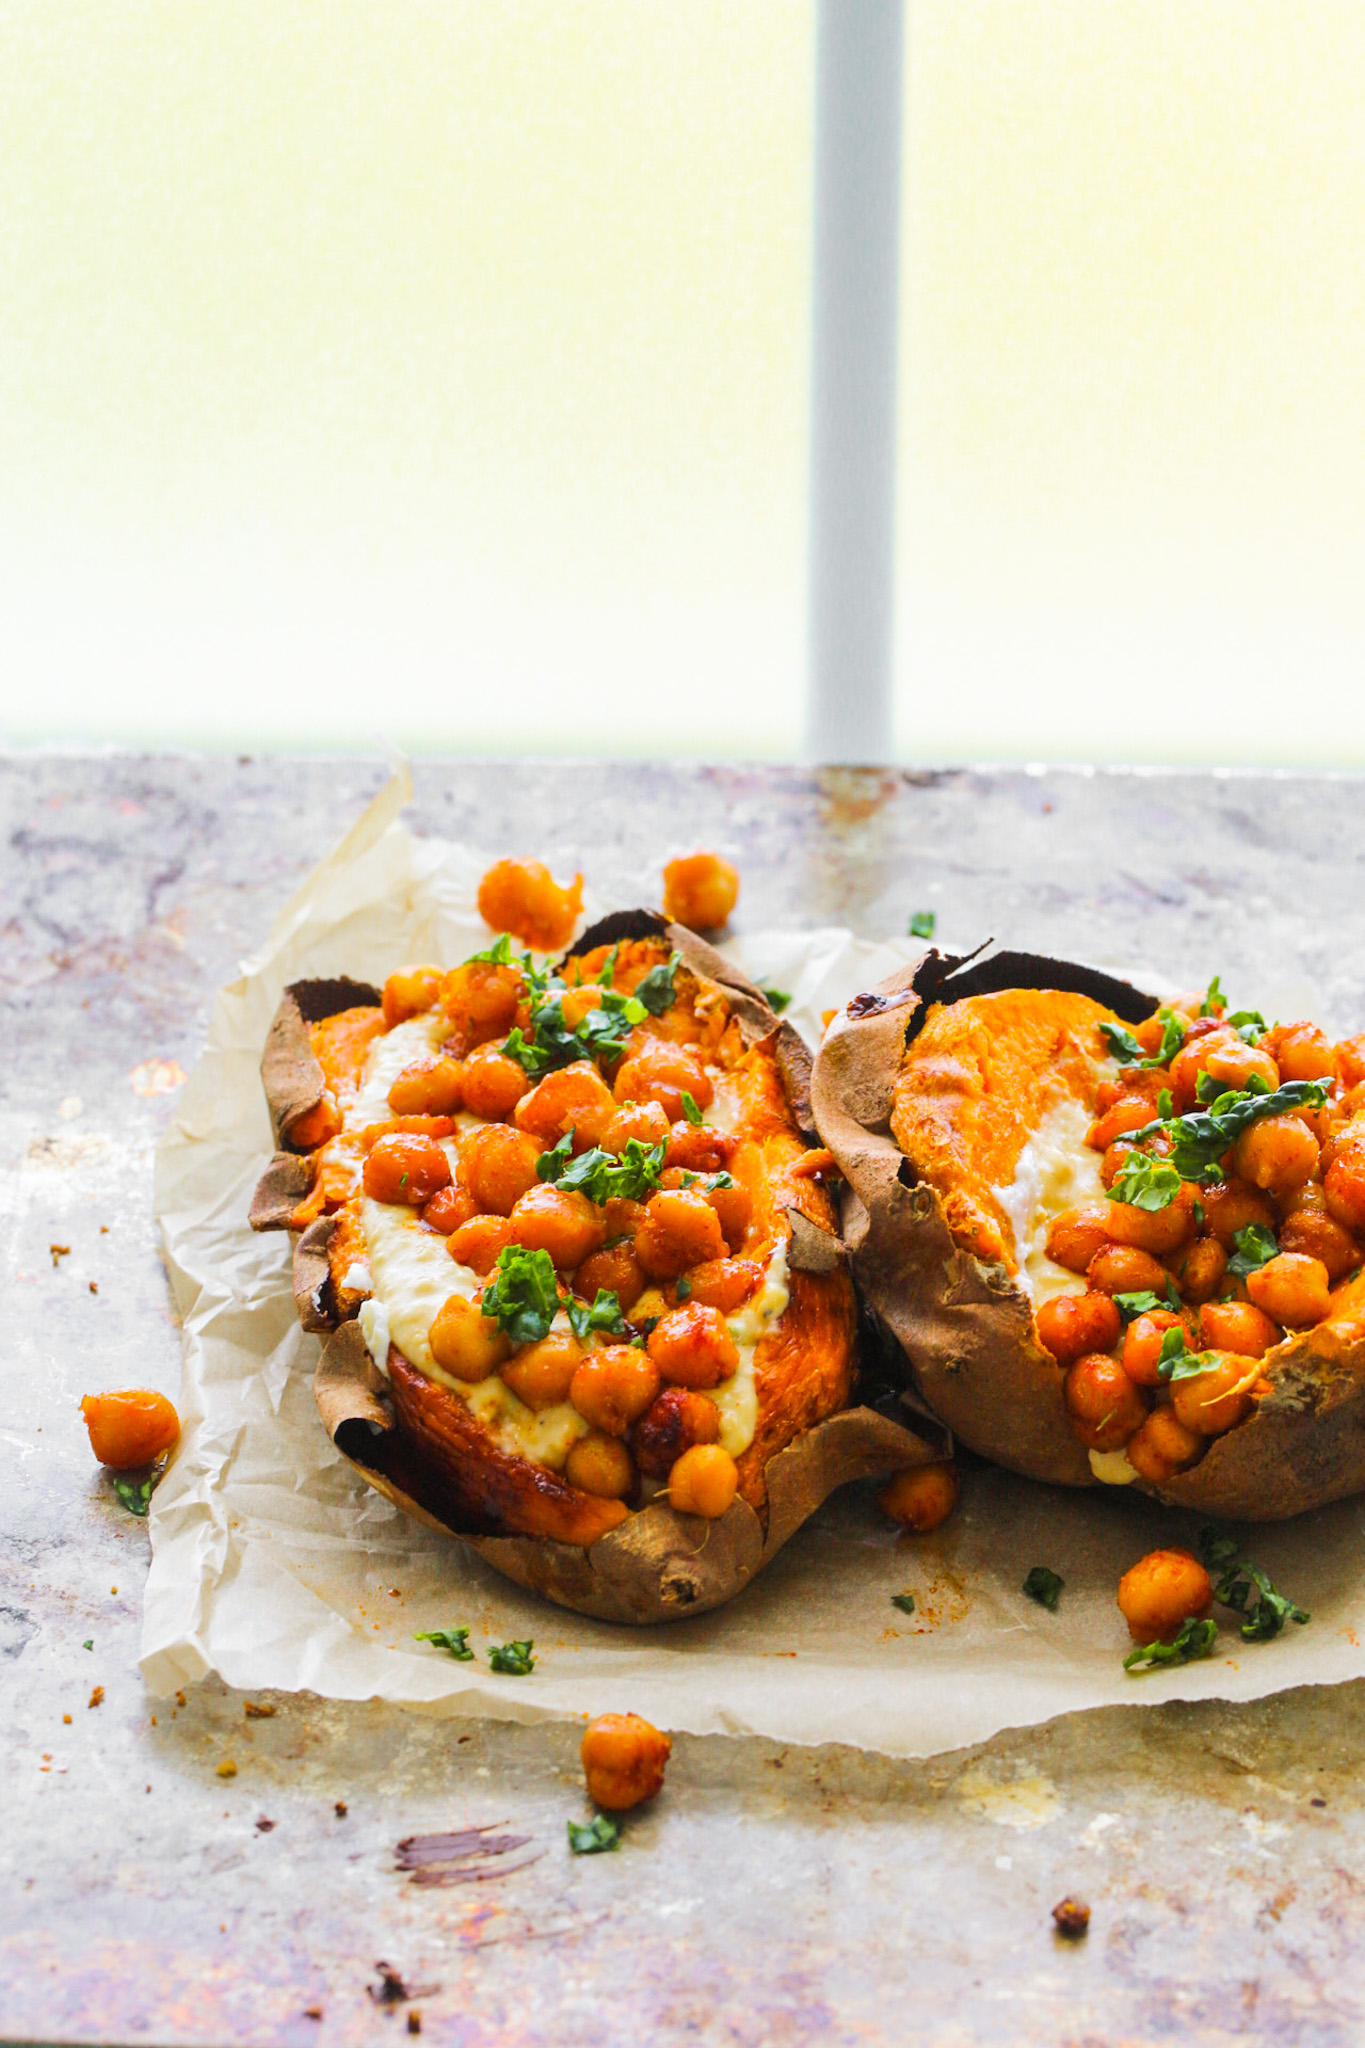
[669, 1426]
[1159, 1231]
[498, 1166]
[1162, 1447]
[1071, 1324]
[541, 1374]
[735, 1208]
[433, 1087]
[722, 1283]
[1344, 1188]
[698, 1148]
[1076, 1235]
[1233, 1206]
[448, 1209]
[601, 1465]
[1143, 1341]
[1117, 1157]
[1199, 1268]
[1123, 1269]
[613, 1387]
[480, 999]
[1192, 1060]
[130, 1428]
[478, 1243]
[1350, 1056]
[1104, 1404]
[1316, 1236]
[1212, 1402]
[493, 1083]
[1293, 1289]
[656, 1071]
[623, 1217]
[579, 1002]
[644, 1121]
[704, 1481]
[680, 1228]
[1277, 1153]
[1161, 1591]
[623, 1761]
[408, 1170]
[1151, 1032]
[700, 889]
[692, 1347]
[921, 1497]
[617, 1269]
[559, 1221]
[1129, 1113]
[573, 1099]
[523, 897]
[1302, 1052]
[1237, 1326]
[1234, 1065]
[408, 991]
[466, 1343]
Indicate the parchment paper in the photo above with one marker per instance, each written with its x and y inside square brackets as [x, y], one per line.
[273, 1565]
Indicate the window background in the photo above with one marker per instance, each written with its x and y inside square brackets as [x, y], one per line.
[440, 371]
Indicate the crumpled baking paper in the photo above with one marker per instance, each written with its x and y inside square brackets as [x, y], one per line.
[274, 1565]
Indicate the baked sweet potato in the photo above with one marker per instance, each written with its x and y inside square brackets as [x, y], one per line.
[1116, 1242]
[562, 1226]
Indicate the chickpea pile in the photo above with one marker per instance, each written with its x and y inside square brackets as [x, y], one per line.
[1189, 1287]
[679, 1260]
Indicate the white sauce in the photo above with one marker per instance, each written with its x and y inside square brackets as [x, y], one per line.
[1112, 1468]
[412, 1275]
[1056, 1170]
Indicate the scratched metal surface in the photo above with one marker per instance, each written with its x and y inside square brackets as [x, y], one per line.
[771, 1896]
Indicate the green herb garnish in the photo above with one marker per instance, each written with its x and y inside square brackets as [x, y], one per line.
[1237, 1579]
[905, 1602]
[514, 1660]
[1200, 1139]
[1145, 1183]
[453, 1640]
[777, 999]
[682, 1289]
[605, 1314]
[1045, 1586]
[590, 1838]
[657, 990]
[1129, 1053]
[602, 1175]
[136, 1494]
[551, 1164]
[89, 1643]
[922, 924]
[1196, 1639]
[1142, 1301]
[690, 1110]
[1215, 1002]
[1254, 1247]
[523, 1295]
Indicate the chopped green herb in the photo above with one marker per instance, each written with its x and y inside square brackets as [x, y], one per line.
[658, 990]
[454, 1640]
[605, 1314]
[499, 954]
[514, 1660]
[89, 1643]
[1139, 1303]
[551, 1164]
[1196, 1639]
[601, 1175]
[1249, 1025]
[720, 1180]
[1045, 1586]
[606, 974]
[590, 1838]
[1165, 1103]
[922, 924]
[1237, 1578]
[690, 1110]
[1145, 1183]
[1202, 1137]
[683, 1290]
[1253, 1248]
[1215, 1002]
[523, 1295]
[136, 1494]
[905, 1602]
[1129, 1053]
[777, 999]
[1178, 1362]
[403, 1179]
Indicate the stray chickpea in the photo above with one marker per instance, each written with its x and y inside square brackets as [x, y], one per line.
[1071, 1324]
[541, 1374]
[523, 897]
[432, 1087]
[465, 1343]
[692, 1347]
[574, 1099]
[921, 1497]
[408, 991]
[1278, 1153]
[1104, 1404]
[600, 1465]
[624, 1759]
[479, 1242]
[498, 1166]
[1237, 1326]
[1293, 1289]
[130, 1428]
[1160, 1592]
[613, 1387]
[1076, 1235]
[704, 1482]
[1162, 1447]
[560, 1221]
[403, 1169]
[700, 890]
[680, 1228]
[1213, 1402]
[493, 1084]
